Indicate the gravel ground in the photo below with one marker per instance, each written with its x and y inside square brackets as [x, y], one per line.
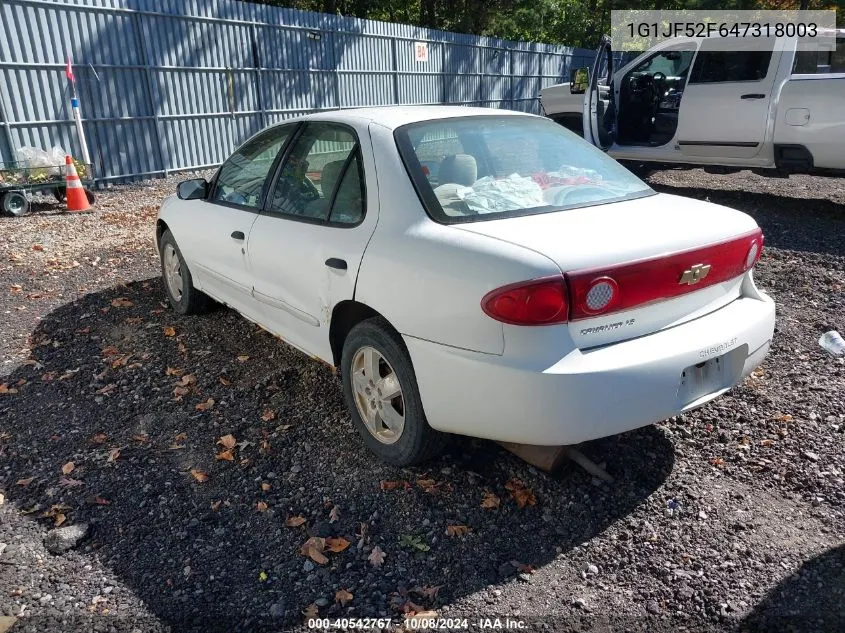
[189, 513]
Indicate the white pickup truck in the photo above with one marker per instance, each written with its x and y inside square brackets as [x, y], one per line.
[686, 102]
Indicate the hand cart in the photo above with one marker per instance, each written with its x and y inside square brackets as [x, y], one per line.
[18, 182]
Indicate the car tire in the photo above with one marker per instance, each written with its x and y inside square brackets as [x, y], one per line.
[375, 357]
[178, 284]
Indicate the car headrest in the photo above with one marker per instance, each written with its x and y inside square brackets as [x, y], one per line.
[329, 177]
[460, 169]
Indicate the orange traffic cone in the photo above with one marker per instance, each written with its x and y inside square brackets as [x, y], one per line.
[77, 200]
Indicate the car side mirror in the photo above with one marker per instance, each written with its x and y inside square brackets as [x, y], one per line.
[196, 189]
[579, 79]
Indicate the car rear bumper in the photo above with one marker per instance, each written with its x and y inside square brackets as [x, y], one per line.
[590, 394]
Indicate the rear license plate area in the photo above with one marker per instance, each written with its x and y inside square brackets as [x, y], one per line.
[703, 379]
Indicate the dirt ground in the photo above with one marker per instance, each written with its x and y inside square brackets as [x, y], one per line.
[197, 455]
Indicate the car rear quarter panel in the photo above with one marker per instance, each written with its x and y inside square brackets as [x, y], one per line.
[811, 112]
[428, 279]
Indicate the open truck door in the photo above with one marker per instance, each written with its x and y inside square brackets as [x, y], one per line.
[599, 100]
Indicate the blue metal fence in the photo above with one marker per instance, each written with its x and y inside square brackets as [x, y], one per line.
[168, 85]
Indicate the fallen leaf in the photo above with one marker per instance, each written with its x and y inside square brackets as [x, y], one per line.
[490, 500]
[265, 486]
[457, 530]
[522, 567]
[110, 350]
[179, 392]
[392, 485]
[199, 475]
[311, 611]
[180, 437]
[205, 406]
[59, 518]
[313, 548]
[717, 461]
[766, 442]
[262, 576]
[99, 438]
[225, 381]
[69, 482]
[334, 515]
[376, 557]
[243, 358]
[187, 380]
[141, 437]
[343, 596]
[429, 593]
[522, 495]
[426, 484]
[215, 506]
[97, 500]
[38, 247]
[169, 331]
[173, 371]
[261, 506]
[227, 441]
[294, 521]
[121, 302]
[15, 288]
[113, 455]
[336, 544]
[784, 418]
[268, 415]
[25, 482]
[5, 389]
[68, 468]
[226, 456]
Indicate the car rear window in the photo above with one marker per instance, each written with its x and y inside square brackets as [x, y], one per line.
[489, 167]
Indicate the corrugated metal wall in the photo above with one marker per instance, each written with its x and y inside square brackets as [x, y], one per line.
[167, 85]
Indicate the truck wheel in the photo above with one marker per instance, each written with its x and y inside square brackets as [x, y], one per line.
[14, 203]
[381, 391]
[60, 194]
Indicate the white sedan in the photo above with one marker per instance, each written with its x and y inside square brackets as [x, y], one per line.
[472, 271]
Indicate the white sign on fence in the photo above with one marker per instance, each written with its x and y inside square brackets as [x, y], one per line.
[421, 52]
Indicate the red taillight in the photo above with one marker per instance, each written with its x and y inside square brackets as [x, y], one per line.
[537, 302]
[643, 282]
[606, 290]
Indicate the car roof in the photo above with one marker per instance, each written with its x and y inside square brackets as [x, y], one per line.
[393, 117]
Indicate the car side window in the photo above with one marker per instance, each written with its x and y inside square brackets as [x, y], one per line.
[348, 205]
[811, 61]
[730, 66]
[322, 167]
[242, 177]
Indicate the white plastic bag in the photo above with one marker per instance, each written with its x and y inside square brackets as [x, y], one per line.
[35, 157]
[491, 195]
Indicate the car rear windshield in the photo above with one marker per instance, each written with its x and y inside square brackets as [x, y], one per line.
[473, 168]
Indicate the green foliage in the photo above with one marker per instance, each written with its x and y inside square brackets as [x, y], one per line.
[569, 22]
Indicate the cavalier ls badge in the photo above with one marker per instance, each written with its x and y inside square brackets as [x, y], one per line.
[694, 274]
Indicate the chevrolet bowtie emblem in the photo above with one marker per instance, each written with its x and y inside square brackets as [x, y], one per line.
[694, 274]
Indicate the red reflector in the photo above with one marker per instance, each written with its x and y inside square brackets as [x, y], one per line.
[646, 281]
[537, 302]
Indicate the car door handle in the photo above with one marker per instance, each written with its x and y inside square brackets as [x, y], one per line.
[238, 235]
[334, 262]
[754, 95]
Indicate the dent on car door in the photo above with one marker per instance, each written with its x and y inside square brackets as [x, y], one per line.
[219, 226]
[306, 246]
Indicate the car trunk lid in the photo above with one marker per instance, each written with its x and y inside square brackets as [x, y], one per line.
[656, 250]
